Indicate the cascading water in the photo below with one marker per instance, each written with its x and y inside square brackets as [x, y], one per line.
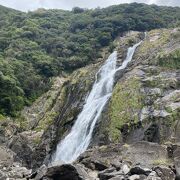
[78, 140]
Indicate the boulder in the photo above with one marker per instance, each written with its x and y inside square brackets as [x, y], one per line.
[107, 175]
[138, 170]
[164, 173]
[93, 164]
[144, 154]
[65, 172]
[125, 169]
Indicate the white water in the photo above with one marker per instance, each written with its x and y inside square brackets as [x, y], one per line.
[78, 140]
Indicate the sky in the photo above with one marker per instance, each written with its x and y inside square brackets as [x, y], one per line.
[29, 5]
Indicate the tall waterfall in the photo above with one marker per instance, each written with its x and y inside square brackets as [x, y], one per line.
[78, 140]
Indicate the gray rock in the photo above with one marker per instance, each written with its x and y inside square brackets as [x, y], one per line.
[41, 172]
[153, 176]
[125, 169]
[116, 163]
[120, 177]
[19, 145]
[145, 153]
[2, 175]
[177, 166]
[6, 157]
[103, 175]
[66, 172]
[134, 177]
[165, 173]
[94, 164]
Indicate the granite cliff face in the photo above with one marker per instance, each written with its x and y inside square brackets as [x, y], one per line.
[138, 129]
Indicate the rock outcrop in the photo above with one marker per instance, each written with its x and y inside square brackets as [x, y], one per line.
[145, 101]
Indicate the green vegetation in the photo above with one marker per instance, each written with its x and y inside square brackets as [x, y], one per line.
[38, 45]
[125, 105]
[163, 37]
[170, 61]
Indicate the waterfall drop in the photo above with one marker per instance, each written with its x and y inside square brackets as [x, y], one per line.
[78, 140]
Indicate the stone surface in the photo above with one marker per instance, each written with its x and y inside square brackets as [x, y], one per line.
[6, 157]
[125, 169]
[64, 172]
[164, 173]
[177, 166]
[134, 177]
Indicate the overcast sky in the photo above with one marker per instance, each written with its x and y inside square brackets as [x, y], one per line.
[26, 5]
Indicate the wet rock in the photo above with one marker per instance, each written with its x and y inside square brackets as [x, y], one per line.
[138, 170]
[164, 173]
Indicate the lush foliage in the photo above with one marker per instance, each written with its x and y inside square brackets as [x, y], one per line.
[171, 61]
[38, 45]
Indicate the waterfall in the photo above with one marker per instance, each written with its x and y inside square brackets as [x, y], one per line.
[78, 140]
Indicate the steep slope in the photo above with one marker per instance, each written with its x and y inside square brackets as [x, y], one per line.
[36, 46]
[144, 106]
[142, 117]
[145, 103]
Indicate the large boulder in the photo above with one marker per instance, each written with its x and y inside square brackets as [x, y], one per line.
[145, 154]
[63, 172]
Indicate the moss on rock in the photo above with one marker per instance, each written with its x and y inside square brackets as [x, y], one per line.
[125, 105]
[170, 61]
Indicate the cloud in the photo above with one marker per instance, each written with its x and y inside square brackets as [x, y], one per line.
[26, 5]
